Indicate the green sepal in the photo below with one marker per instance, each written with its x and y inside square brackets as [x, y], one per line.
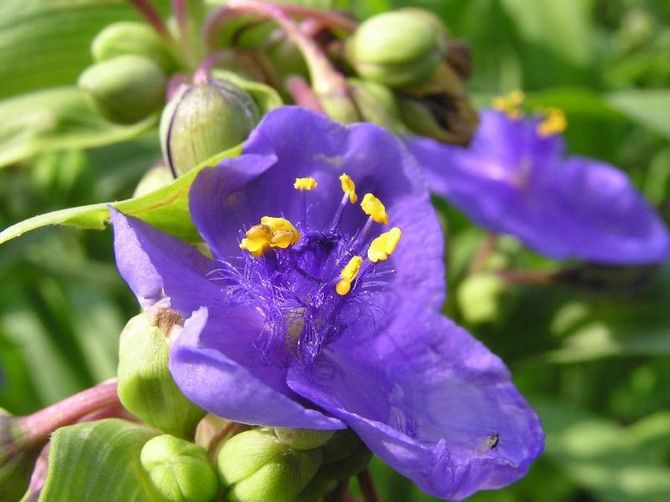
[146, 387]
[98, 461]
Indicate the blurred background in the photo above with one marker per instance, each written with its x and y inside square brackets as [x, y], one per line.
[593, 361]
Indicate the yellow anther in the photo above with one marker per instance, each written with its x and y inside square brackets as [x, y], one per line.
[510, 104]
[305, 184]
[383, 246]
[554, 123]
[349, 187]
[348, 274]
[257, 240]
[271, 233]
[374, 208]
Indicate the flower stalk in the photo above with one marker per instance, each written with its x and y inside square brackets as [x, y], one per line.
[37, 428]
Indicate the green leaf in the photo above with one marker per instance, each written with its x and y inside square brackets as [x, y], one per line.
[165, 208]
[98, 461]
[46, 43]
[56, 119]
[576, 102]
[562, 26]
[613, 461]
[650, 108]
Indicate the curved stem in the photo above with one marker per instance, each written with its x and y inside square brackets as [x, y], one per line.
[152, 16]
[38, 426]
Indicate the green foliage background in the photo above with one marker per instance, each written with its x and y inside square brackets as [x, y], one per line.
[595, 364]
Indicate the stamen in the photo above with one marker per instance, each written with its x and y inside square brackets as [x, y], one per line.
[257, 240]
[305, 184]
[348, 187]
[271, 233]
[383, 246]
[510, 104]
[348, 274]
[374, 208]
[554, 123]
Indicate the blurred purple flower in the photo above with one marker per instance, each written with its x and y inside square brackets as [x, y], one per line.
[293, 331]
[515, 179]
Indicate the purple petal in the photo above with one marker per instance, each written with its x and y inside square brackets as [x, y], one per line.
[214, 363]
[438, 407]
[156, 265]
[302, 143]
[513, 181]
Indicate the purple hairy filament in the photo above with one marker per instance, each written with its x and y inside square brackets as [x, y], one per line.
[310, 284]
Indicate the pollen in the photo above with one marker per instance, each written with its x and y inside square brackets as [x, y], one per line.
[374, 208]
[305, 184]
[510, 104]
[348, 274]
[349, 187]
[271, 233]
[554, 123]
[383, 246]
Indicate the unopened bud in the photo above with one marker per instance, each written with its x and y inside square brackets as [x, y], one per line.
[256, 466]
[127, 89]
[131, 38]
[179, 470]
[145, 385]
[205, 119]
[398, 49]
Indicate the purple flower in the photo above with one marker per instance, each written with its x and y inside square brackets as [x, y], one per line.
[317, 312]
[515, 179]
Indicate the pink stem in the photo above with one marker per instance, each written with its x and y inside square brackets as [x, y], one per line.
[38, 426]
[302, 93]
[326, 18]
[327, 81]
[152, 16]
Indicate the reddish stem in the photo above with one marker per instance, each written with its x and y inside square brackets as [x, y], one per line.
[38, 426]
[152, 16]
[326, 79]
[302, 93]
[367, 485]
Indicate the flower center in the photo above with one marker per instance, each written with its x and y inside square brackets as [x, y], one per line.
[310, 284]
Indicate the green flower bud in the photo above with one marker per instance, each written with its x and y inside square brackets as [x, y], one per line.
[203, 120]
[179, 471]
[126, 88]
[256, 466]
[479, 297]
[130, 38]
[398, 49]
[145, 385]
[303, 439]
